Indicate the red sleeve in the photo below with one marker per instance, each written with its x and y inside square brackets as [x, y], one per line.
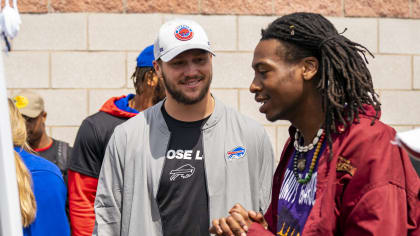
[82, 191]
[268, 216]
[381, 211]
[258, 230]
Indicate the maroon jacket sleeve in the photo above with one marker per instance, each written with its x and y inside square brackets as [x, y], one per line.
[258, 230]
[82, 191]
[379, 212]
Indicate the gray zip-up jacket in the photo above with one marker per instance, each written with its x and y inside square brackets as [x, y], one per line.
[125, 201]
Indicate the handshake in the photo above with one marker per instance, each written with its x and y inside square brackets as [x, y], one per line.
[237, 223]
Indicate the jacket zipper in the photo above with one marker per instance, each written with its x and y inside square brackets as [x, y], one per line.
[160, 178]
[205, 176]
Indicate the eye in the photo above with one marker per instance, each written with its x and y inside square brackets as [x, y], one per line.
[263, 72]
[261, 69]
[177, 63]
[200, 60]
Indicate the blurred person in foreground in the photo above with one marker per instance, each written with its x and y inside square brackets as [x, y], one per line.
[339, 173]
[42, 192]
[31, 106]
[93, 136]
[410, 141]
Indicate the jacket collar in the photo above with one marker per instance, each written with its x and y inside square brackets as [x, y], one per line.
[112, 109]
[368, 111]
[212, 121]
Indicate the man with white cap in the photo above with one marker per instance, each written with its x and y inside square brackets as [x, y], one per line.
[187, 159]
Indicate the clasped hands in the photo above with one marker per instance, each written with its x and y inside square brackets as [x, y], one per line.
[237, 223]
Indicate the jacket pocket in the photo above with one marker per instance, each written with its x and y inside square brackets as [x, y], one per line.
[107, 215]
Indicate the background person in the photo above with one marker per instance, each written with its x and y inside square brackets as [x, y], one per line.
[47, 215]
[185, 160]
[339, 173]
[92, 139]
[410, 142]
[27, 201]
[31, 106]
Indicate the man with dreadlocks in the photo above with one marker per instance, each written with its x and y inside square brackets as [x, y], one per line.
[94, 134]
[339, 173]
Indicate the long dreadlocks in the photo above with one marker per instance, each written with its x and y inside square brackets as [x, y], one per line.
[140, 77]
[344, 80]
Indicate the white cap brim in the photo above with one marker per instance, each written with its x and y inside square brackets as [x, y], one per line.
[182, 48]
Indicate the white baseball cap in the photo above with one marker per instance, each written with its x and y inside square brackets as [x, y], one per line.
[177, 36]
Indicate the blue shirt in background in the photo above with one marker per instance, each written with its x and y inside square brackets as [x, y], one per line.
[50, 195]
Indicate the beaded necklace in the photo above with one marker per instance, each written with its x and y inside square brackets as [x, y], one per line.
[301, 163]
[308, 147]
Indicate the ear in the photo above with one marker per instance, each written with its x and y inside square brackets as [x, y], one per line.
[310, 67]
[44, 116]
[158, 68]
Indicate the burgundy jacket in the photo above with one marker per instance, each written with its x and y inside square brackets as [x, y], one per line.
[369, 187]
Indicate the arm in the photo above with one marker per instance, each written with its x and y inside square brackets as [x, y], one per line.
[82, 180]
[110, 186]
[266, 173]
[82, 190]
[382, 195]
[50, 194]
[380, 211]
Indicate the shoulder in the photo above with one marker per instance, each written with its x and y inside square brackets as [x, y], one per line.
[367, 138]
[62, 143]
[102, 120]
[97, 127]
[234, 124]
[367, 132]
[36, 163]
[98, 116]
[230, 113]
[130, 125]
[140, 121]
[369, 148]
[245, 123]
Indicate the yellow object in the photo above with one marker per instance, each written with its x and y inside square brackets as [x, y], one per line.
[21, 101]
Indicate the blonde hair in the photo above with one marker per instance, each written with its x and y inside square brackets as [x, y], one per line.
[24, 180]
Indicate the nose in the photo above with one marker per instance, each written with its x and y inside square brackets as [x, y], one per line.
[191, 70]
[255, 86]
[28, 124]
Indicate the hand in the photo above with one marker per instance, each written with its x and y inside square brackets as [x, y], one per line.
[258, 217]
[237, 223]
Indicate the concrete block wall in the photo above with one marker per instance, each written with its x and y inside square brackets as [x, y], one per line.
[77, 55]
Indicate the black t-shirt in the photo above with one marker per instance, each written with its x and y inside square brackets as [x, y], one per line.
[59, 154]
[91, 141]
[182, 196]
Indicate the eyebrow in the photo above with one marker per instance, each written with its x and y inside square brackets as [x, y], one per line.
[255, 66]
[200, 52]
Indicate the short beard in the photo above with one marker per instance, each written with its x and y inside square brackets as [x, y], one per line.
[180, 97]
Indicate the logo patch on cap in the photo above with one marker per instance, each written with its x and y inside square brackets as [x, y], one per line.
[21, 101]
[236, 153]
[184, 33]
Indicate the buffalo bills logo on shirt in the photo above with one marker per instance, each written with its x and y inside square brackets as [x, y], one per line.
[183, 33]
[236, 153]
[184, 172]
